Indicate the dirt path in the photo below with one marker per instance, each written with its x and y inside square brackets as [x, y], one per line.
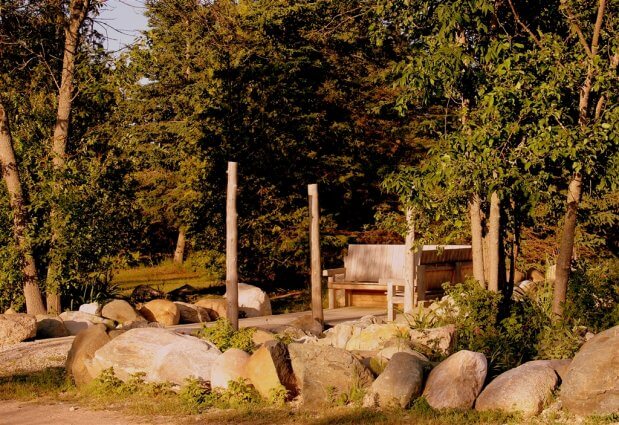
[31, 413]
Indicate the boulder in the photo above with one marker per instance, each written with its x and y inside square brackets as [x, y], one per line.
[399, 347]
[591, 384]
[191, 313]
[456, 382]
[560, 366]
[307, 324]
[49, 326]
[440, 340]
[35, 356]
[260, 336]
[230, 366]
[144, 293]
[216, 307]
[536, 276]
[142, 323]
[84, 346]
[91, 308]
[400, 382]
[253, 301]
[324, 372]
[161, 311]
[119, 311]
[375, 336]
[161, 354]
[77, 321]
[16, 328]
[526, 389]
[10, 311]
[269, 367]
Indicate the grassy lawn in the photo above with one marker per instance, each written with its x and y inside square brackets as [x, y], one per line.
[52, 386]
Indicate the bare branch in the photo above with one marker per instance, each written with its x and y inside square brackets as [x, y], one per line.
[524, 26]
[576, 27]
[595, 41]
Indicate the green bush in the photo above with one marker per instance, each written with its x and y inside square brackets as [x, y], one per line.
[224, 336]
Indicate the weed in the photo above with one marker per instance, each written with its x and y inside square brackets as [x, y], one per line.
[224, 336]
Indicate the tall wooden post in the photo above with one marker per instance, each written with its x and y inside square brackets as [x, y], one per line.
[409, 263]
[232, 277]
[312, 191]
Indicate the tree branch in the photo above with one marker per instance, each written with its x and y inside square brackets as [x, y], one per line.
[576, 27]
[523, 25]
[595, 41]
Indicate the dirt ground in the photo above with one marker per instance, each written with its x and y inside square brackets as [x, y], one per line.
[32, 413]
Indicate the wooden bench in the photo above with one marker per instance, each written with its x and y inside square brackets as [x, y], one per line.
[379, 268]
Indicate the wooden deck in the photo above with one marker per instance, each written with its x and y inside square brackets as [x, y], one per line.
[332, 317]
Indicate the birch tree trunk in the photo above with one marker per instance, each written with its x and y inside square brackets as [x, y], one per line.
[494, 230]
[477, 241]
[179, 253]
[78, 10]
[10, 172]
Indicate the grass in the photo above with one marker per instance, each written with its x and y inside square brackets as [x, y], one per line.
[153, 400]
[165, 277]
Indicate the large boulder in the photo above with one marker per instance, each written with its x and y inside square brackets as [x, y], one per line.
[440, 340]
[162, 355]
[77, 321]
[526, 389]
[253, 301]
[35, 356]
[456, 382]
[375, 336]
[216, 307]
[191, 313]
[120, 311]
[324, 372]
[84, 346]
[269, 368]
[49, 326]
[161, 311]
[591, 384]
[230, 366]
[560, 366]
[16, 328]
[400, 382]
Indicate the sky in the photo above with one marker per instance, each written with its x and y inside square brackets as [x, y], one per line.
[121, 22]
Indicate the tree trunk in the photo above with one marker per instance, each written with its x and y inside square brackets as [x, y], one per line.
[564, 262]
[77, 13]
[179, 253]
[477, 239]
[232, 276]
[10, 171]
[494, 230]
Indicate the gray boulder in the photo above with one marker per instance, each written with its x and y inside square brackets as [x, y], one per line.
[269, 368]
[84, 346]
[49, 326]
[15, 328]
[163, 355]
[230, 366]
[526, 389]
[591, 384]
[120, 311]
[77, 321]
[324, 372]
[400, 382]
[191, 313]
[456, 382]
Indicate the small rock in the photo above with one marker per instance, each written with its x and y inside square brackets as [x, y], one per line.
[16, 328]
[456, 382]
[10, 311]
[120, 311]
[84, 346]
[269, 367]
[161, 311]
[77, 321]
[307, 324]
[324, 372]
[440, 340]
[525, 389]
[230, 366]
[49, 326]
[144, 293]
[191, 313]
[400, 382]
[91, 308]
[216, 307]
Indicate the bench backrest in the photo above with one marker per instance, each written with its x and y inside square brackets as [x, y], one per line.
[368, 263]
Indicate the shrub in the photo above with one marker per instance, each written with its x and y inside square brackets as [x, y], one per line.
[224, 336]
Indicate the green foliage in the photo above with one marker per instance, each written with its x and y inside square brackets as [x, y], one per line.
[278, 396]
[224, 336]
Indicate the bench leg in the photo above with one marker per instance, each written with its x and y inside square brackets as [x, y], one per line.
[331, 299]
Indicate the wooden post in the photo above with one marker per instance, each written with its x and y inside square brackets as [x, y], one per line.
[312, 191]
[409, 263]
[232, 277]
